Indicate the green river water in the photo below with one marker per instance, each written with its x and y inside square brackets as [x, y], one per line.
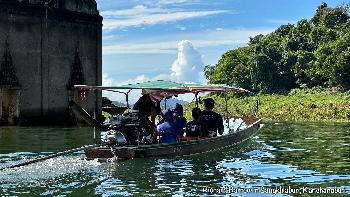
[285, 159]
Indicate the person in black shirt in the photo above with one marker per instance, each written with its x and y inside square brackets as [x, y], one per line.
[211, 119]
[195, 128]
[147, 107]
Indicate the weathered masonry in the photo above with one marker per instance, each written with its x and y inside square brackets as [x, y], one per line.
[47, 46]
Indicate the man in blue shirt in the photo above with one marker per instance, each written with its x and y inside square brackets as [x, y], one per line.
[211, 119]
[172, 127]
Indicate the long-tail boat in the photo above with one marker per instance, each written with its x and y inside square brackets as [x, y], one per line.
[187, 145]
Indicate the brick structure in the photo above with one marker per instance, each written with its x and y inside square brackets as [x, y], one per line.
[46, 47]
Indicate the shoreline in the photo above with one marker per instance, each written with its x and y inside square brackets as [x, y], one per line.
[299, 105]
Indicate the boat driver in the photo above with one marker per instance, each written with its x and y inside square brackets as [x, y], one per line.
[211, 119]
[148, 107]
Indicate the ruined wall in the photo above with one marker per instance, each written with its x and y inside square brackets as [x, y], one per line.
[44, 44]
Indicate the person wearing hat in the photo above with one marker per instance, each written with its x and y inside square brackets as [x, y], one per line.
[211, 119]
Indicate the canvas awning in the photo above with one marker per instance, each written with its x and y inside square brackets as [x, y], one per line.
[160, 89]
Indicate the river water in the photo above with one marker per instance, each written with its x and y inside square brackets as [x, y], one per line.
[285, 159]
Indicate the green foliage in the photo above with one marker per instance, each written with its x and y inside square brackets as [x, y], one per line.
[314, 104]
[333, 61]
[106, 115]
[313, 52]
[330, 17]
[306, 104]
[232, 69]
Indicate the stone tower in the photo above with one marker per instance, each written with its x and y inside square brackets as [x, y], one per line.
[47, 47]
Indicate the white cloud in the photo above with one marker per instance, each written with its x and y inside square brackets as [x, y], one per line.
[155, 18]
[141, 15]
[182, 28]
[159, 44]
[106, 81]
[188, 67]
[114, 96]
[138, 10]
[149, 47]
[171, 2]
[168, 2]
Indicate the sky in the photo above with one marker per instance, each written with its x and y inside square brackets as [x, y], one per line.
[174, 39]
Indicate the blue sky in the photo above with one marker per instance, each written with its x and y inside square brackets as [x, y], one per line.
[174, 39]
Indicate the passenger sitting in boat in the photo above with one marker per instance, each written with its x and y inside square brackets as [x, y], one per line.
[211, 119]
[171, 128]
[196, 128]
[179, 118]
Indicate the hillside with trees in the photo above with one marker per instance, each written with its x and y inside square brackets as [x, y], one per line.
[313, 52]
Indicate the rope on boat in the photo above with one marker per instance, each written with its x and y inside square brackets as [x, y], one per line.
[51, 156]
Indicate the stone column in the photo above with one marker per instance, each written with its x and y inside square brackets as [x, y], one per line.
[9, 89]
[77, 78]
[1, 120]
[10, 105]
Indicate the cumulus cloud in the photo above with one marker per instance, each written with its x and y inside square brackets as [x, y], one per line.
[188, 67]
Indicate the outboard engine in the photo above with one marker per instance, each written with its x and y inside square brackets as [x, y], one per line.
[135, 128]
[116, 138]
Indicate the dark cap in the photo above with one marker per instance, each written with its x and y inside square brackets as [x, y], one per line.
[209, 102]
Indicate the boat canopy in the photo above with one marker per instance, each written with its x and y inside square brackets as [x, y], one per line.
[161, 89]
[153, 85]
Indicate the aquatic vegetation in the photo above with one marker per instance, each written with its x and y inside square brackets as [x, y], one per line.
[315, 104]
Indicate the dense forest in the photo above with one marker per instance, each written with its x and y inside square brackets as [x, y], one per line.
[314, 52]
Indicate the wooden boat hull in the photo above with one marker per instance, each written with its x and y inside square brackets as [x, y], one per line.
[176, 149]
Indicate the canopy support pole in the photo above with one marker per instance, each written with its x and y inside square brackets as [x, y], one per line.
[226, 109]
[127, 99]
[257, 103]
[126, 96]
[196, 97]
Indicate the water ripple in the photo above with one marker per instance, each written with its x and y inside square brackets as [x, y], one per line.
[283, 155]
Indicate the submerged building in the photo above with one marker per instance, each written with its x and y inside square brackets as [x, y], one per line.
[47, 46]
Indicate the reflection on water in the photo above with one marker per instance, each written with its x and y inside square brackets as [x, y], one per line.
[282, 155]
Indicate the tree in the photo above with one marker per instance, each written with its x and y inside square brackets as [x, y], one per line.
[233, 68]
[333, 62]
[330, 17]
[311, 53]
